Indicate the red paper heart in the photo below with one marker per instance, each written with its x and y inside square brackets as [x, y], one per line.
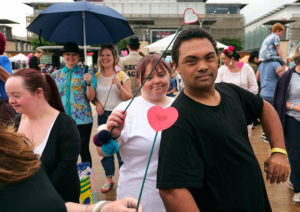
[160, 118]
[189, 16]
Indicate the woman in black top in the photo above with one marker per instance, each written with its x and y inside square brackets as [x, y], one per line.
[23, 184]
[25, 187]
[52, 133]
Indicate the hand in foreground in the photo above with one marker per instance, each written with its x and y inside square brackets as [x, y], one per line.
[99, 109]
[116, 120]
[117, 82]
[123, 205]
[87, 77]
[277, 168]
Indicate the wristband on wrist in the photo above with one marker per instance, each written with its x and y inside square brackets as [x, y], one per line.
[279, 150]
[99, 205]
[88, 84]
[292, 107]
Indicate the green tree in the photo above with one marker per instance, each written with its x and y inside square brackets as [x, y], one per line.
[235, 42]
[36, 43]
[122, 45]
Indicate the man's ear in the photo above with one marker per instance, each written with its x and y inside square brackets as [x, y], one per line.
[176, 67]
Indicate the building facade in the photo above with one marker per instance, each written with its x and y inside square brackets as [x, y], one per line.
[258, 29]
[15, 44]
[155, 19]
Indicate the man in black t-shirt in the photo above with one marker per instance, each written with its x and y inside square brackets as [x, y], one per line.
[206, 161]
[34, 61]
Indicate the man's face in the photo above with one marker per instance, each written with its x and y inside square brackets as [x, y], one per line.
[197, 64]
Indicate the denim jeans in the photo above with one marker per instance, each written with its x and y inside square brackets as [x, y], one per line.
[292, 135]
[108, 162]
[268, 99]
[277, 59]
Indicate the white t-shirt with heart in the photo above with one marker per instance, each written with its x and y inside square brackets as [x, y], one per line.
[135, 144]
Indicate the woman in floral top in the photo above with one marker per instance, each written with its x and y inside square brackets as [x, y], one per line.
[77, 89]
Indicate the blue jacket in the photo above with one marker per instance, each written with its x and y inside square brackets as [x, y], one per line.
[4, 62]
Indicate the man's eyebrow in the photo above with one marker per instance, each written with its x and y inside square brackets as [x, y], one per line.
[190, 57]
[195, 57]
[209, 54]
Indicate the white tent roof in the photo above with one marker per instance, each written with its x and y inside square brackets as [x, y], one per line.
[18, 57]
[161, 45]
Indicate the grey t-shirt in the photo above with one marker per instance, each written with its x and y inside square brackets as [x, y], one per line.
[293, 95]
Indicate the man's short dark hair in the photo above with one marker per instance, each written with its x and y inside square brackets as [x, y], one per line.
[253, 55]
[187, 35]
[134, 43]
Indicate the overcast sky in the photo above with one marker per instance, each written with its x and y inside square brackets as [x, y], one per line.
[16, 11]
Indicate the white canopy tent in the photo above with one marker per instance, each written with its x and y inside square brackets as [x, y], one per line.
[161, 45]
[19, 57]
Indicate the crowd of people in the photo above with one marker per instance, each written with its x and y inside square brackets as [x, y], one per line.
[204, 162]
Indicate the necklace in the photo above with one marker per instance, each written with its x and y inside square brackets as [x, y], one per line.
[232, 69]
[241, 78]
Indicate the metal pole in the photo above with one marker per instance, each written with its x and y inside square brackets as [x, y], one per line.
[84, 35]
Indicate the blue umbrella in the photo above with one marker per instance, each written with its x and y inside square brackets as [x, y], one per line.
[81, 22]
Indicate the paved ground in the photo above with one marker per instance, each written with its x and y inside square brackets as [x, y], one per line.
[279, 195]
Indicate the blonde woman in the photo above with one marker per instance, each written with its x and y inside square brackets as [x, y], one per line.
[113, 87]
